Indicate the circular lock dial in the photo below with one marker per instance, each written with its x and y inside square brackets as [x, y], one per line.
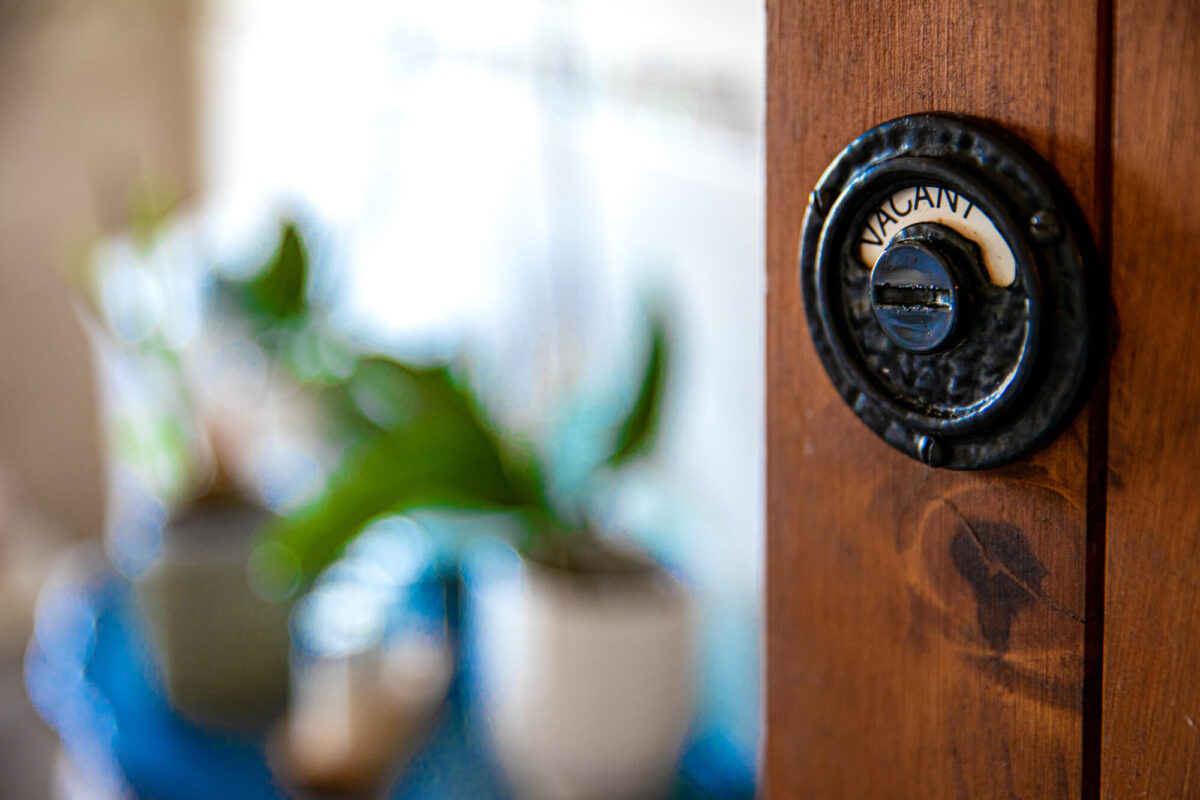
[944, 295]
[915, 287]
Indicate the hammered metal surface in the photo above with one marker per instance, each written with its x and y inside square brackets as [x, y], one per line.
[1022, 362]
[950, 384]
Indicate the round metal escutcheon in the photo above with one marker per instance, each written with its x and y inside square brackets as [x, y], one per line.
[942, 278]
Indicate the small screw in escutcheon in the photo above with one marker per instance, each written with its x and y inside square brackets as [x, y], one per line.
[1044, 226]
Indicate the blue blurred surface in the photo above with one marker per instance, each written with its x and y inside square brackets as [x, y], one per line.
[90, 674]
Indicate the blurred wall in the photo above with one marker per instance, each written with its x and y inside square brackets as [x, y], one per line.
[95, 98]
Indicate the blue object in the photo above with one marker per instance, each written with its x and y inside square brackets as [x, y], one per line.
[90, 674]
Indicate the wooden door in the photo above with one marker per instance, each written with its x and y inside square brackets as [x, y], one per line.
[1030, 631]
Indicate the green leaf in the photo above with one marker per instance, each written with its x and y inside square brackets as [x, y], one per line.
[279, 291]
[636, 433]
[440, 453]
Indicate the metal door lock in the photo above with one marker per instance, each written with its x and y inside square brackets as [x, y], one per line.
[945, 295]
[914, 288]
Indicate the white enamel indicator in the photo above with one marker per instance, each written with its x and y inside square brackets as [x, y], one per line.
[937, 204]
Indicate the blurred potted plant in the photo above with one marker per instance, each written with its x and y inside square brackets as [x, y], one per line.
[584, 645]
[392, 435]
[208, 373]
[584, 650]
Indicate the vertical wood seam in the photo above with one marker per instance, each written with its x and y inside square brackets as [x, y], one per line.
[1097, 483]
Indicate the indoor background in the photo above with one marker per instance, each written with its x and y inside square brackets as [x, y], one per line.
[505, 184]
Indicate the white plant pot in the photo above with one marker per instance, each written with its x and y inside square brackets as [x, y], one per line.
[586, 682]
[222, 648]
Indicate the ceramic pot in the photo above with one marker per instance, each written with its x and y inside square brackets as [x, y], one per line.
[584, 677]
[222, 648]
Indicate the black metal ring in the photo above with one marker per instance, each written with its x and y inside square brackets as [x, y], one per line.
[1013, 187]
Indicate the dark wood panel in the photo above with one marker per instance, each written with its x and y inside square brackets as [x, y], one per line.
[925, 633]
[1151, 719]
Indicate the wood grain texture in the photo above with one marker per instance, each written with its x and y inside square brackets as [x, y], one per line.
[1151, 719]
[925, 632]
